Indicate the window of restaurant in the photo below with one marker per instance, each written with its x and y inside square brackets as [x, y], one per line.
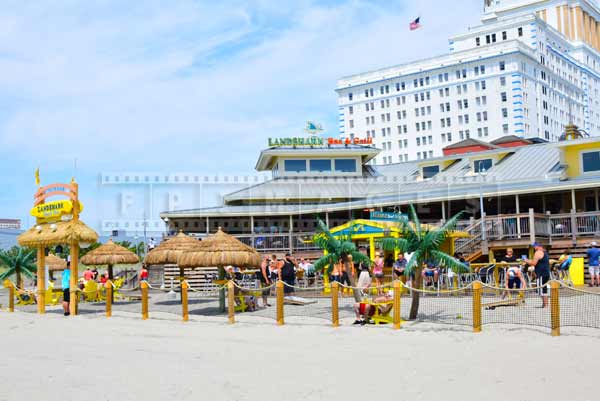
[345, 165]
[295, 166]
[590, 161]
[320, 166]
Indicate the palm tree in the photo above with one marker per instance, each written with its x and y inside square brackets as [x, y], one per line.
[425, 248]
[337, 249]
[18, 262]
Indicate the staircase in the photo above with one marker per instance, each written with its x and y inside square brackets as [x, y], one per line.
[471, 247]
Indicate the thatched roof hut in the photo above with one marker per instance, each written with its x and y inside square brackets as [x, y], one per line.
[110, 254]
[168, 252]
[62, 232]
[220, 250]
[55, 263]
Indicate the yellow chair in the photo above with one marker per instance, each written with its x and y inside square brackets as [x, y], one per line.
[381, 317]
[51, 297]
[90, 291]
[25, 297]
[117, 284]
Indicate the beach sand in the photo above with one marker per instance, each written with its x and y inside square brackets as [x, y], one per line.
[89, 357]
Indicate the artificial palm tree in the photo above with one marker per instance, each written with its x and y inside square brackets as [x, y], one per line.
[18, 262]
[337, 249]
[425, 248]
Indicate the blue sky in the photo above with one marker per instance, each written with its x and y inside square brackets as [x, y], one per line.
[193, 86]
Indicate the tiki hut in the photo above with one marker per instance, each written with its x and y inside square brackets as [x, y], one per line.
[110, 254]
[61, 232]
[220, 250]
[55, 263]
[168, 252]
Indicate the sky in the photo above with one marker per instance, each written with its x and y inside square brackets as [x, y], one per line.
[185, 86]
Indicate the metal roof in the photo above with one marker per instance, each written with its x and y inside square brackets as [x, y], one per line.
[527, 169]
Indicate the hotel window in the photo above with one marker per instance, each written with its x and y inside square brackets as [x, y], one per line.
[350, 110]
[443, 137]
[487, 39]
[477, 41]
[505, 112]
[482, 69]
[520, 31]
[430, 139]
[382, 104]
[505, 128]
[480, 166]
[479, 132]
[503, 96]
[484, 100]
[449, 136]
[430, 171]
[345, 165]
[504, 35]
[502, 66]
[295, 166]
[485, 116]
[493, 38]
[590, 161]
[502, 81]
[351, 123]
[350, 96]
[418, 141]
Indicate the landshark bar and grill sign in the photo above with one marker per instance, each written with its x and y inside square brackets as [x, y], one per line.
[316, 141]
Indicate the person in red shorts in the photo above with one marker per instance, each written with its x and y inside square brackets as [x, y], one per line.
[364, 310]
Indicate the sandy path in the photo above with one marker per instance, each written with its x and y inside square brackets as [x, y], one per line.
[92, 358]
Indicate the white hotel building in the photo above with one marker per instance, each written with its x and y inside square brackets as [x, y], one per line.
[530, 68]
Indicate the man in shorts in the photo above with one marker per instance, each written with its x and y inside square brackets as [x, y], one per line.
[541, 263]
[66, 287]
[594, 264]
[430, 271]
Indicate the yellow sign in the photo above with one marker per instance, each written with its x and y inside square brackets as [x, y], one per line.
[53, 210]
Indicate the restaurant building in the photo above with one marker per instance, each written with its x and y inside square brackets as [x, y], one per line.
[511, 191]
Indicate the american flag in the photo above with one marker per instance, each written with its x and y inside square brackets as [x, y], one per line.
[415, 24]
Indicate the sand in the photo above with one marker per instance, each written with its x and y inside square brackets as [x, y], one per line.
[89, 357]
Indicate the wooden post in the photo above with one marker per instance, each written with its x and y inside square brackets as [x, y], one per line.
[41, 280]
[555, 307]
[396, 317]
[335, 312]
[73, 283]
[109, 297]
[231, 301]
[184, 300]
[11, 297]
[279, 291]
[477, 307]
[144, 286]
[531, 226]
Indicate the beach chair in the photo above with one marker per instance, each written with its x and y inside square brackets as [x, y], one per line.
[117, 284]
[90, 291]
[379, 317]
[51, 297]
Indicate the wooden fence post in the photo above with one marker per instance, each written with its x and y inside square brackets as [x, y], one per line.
[109, 294]
[335, 311]
[144, 286]
[555, 307]
[184, 300]
[477, 307]
[231, 301]
[279, 292]
[396, 316]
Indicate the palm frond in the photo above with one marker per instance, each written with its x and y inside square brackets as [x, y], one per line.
[358, 257]
[394, 244]
[443, 259]
[415, 220]
[414, 261]
[7, 274]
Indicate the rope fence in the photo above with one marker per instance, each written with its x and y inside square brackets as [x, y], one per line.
[476, 305]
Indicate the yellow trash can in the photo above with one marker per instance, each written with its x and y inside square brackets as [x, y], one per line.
[576, 271]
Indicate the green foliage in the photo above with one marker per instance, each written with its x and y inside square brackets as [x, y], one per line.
[18, 261]
[424, 244]
[336, 249]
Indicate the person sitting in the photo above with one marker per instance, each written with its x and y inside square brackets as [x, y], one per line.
[430, 272]
[399, 265]
[509, 257]
[365, 310]
[565, 260]
[104, 278]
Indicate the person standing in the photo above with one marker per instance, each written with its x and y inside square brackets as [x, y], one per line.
[378, 271]
[594, 264]
[151, 244]
[263, 277]
[541, 263]
[287, 274]
[274, 266]
[66, 287]
[144, 274]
